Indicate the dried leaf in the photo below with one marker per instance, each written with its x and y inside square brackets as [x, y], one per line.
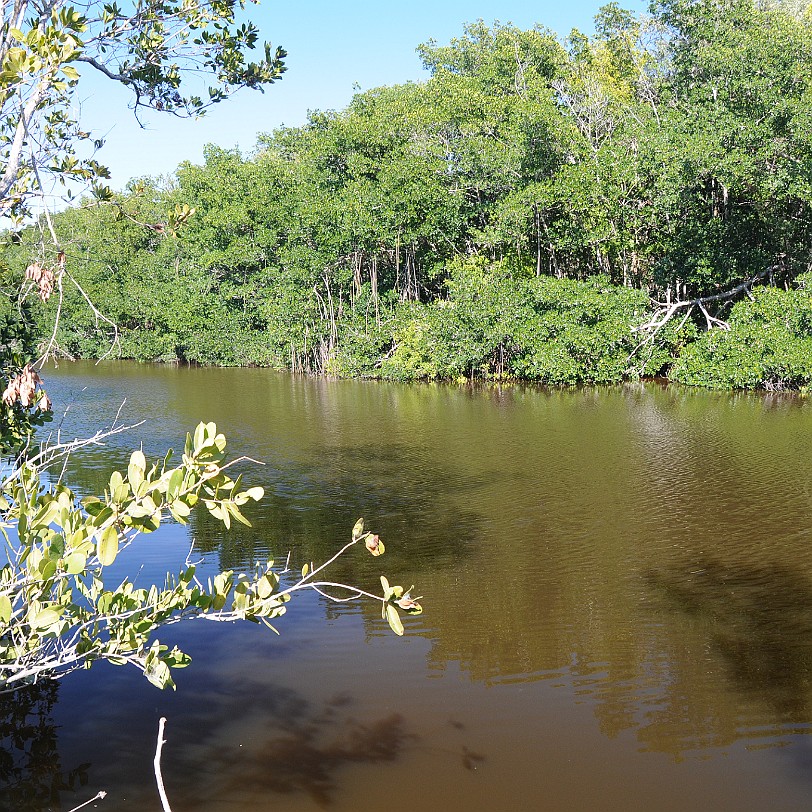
[374, 545]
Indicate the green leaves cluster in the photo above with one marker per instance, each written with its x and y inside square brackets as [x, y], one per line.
[668, 155]
[58, 610]
[768, 345]
[396, 598]
[179, 56]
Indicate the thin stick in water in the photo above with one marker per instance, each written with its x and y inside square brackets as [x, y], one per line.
[99, 796]
[158, 777]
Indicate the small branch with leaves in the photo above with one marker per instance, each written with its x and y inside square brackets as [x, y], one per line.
[58, 613]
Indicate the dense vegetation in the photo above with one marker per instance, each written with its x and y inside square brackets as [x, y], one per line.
[61, 609]
[636, 202]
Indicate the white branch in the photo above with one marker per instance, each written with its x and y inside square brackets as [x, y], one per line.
[10, 176]
[157, 763]
[99, 796]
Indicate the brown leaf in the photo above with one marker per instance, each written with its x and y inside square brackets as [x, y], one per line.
[374, 545]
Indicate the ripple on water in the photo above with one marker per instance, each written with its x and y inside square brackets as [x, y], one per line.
[609, 572]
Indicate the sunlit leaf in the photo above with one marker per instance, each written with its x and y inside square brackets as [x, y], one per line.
[75, 563]
[175, 483]
[45, 618]
[5, 608]
[107, 547]
[393, 618]
[264, 588]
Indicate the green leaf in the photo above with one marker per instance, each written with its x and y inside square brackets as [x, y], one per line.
[107, 546]
[393, 618]
[358, 529]
[264, 587]
[175, 484]
[102, 516]
[180, 508]
[5, 608]
[158, 673]
[136, 468]
[45, 618]
[235, 512]
[200, 434]
[116, 480]
[93, 505]
[47, 569]
[75, 563]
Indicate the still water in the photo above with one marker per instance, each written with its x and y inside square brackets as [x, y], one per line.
[617, 604]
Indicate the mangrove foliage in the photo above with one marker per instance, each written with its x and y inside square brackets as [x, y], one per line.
[592, 209]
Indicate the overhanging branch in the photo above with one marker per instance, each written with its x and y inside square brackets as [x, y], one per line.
[100, 66]
[665, 311]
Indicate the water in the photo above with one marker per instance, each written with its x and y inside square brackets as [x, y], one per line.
[617, 591]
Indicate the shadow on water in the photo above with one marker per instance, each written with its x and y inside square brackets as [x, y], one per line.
[299, 747]
[293, 746]
[408, 501]
[308, 757]
[302, 748]
[757, 620]
[32, 777]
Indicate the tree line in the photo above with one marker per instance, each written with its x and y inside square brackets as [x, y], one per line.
[593, 209]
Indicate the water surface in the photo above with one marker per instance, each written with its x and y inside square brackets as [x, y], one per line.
[618, 603]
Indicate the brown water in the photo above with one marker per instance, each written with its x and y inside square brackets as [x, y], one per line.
[618, 604]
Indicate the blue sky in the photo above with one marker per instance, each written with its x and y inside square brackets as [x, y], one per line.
[332, 46]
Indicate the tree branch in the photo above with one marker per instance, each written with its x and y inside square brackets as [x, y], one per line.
[100, 66]
[10, 176]
[157, 764]
[665, 310]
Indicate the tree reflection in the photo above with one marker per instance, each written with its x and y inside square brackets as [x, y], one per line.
[32, 778]
[759, 621]
[308, 758]
[292, 747]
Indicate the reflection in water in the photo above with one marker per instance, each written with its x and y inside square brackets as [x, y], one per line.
[625, 569]
[31, 773]
[759, 623]
[303, 751]
[239, 739]
[301, 760]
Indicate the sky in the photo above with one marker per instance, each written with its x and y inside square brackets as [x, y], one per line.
[335, 49]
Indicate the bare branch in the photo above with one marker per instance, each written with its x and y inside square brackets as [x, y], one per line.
[99, 66]
[665, 311]
[728, 294]
[99, 796]
[157, 764]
